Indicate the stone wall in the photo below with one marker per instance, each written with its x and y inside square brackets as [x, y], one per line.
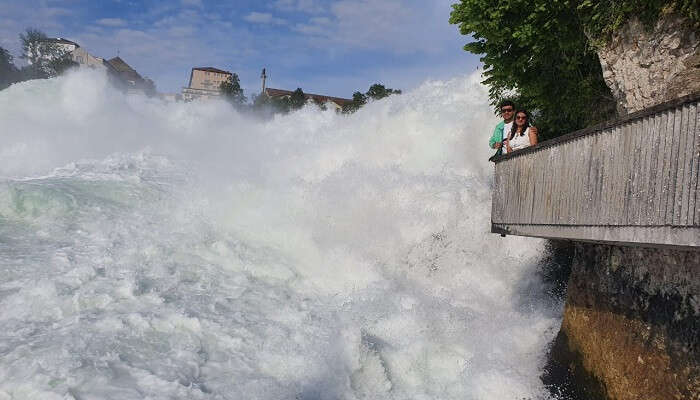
[632, 321]
[644, 67]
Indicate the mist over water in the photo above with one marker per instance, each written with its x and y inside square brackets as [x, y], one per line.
[167, 250]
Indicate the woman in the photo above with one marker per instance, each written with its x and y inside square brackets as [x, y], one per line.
[522, 135]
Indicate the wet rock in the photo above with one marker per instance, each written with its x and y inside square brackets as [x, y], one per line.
[632, 321]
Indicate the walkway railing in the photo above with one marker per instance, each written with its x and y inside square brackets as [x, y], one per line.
[633, 180]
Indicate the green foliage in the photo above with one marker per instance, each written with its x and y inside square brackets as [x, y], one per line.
[8, 72]
[46, 59]
[280, 105]
[297, 100]
[375, 92]
[266, 106]
[603, 17]
[33, 46]
[58, 66]
[232, 91]
[321, 105]
[358, 100]
[149, 87]
[6, 59]
[537, 52]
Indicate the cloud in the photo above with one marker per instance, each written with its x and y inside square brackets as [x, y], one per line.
[17, 16]
[166, 45]
[321, 20]
[263, 18]
[55, 11]
[394, 26]
[305, 6]
[115, 22]
[192, 3]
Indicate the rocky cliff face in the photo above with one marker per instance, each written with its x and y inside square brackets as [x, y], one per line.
[632, 322]
[645, 67]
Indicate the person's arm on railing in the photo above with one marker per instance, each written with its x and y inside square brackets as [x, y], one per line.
[508, 148]
[533, 135]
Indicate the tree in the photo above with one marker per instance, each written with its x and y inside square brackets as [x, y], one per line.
[602, 18]
[297, 99]
[537, 50]
[33, 45]
[378, 91]
[232, 91]
[58, 66]
[358, 100]
[149, 87]
[267, 106]
[46, 59]
[375, 92]
[321, 105]
[8, 71]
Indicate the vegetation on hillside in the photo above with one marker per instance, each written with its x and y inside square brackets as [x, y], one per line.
[602, 18]
[46, 59]
[536, 53]
[8, 72]
[232, 91]
[265, 105]
[541, 53]
[262, 104]
[375, 92]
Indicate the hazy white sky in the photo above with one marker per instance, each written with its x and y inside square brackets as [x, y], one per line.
[330, 47]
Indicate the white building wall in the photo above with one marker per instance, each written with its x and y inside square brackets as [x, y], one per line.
[85, 59]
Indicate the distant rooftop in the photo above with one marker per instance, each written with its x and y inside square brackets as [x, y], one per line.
[124, 69]
[120, 65]
[60, 40]
[211, 69]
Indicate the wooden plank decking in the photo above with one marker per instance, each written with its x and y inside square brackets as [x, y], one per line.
[630, 181]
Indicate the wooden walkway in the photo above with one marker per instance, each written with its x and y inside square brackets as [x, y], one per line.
[629, 181]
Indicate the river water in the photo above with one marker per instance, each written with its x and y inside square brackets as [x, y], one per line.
[153, 250]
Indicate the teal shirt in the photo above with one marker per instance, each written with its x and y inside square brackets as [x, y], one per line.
[497, 135]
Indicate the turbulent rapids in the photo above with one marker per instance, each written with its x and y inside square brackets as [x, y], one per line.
[160, 250]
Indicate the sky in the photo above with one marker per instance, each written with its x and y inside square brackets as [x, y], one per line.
[331, 47]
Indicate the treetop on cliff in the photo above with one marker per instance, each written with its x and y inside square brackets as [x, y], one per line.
[603, 18]
[542, 53]
[537, 52]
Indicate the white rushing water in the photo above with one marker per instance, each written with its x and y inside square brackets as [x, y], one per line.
[153, 250]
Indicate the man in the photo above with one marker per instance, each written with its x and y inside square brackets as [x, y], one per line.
[503, 128]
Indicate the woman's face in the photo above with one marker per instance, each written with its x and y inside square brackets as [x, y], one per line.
[520, 119]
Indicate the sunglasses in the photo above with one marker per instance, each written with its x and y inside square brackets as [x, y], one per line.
[505, 110]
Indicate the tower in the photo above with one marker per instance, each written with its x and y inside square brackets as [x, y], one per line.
[263, 76]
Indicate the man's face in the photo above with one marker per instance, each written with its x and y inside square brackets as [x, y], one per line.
[507, 113]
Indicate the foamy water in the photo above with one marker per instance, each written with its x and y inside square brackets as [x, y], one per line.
[155, 250]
